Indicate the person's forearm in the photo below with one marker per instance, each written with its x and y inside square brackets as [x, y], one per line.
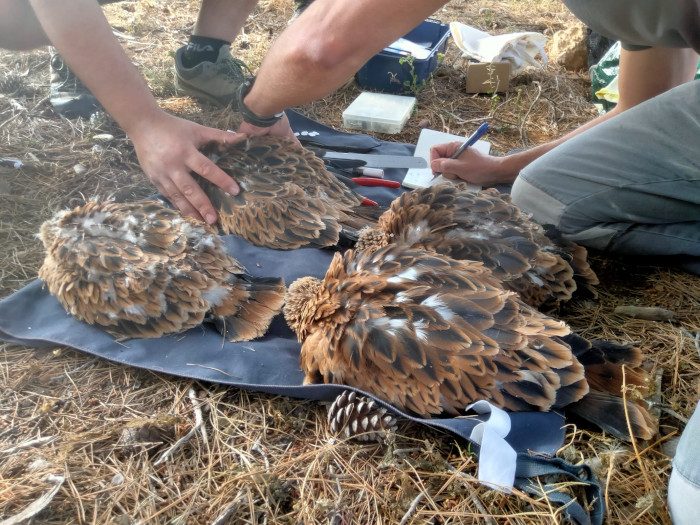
[511, 165]
[643, 75]
[81, 34]
[326, 45]
[488, 170]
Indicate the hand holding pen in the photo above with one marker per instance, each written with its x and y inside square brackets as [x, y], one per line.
[471, 140]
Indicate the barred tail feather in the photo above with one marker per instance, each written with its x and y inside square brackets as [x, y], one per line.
[252, 316]
[603, 364]
[608, 412]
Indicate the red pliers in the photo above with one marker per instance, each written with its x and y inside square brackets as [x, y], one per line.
[354, 182]
[370, 181]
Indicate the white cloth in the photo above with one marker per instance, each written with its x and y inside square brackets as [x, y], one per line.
[496, 457]
[520, 49]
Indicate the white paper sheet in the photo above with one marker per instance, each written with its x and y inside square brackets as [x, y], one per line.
[423, 177]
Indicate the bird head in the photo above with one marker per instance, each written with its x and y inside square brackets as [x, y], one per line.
[371, 239]
[50, 230]
[299, 295]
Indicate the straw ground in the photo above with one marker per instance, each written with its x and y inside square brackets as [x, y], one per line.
[84, 440]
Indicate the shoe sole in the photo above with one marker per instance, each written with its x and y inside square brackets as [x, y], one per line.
[190, 90]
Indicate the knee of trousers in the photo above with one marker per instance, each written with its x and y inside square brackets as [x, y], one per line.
[683, 493]
[684, 485]
[545, 208]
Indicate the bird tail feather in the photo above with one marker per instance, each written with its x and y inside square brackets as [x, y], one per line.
[250, 309]
[357, 219]
[615, 415]
[609, 368]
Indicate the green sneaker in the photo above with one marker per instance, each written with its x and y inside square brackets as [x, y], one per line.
[68, 95]
[215, 82]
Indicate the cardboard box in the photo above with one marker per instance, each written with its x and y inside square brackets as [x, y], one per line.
[488, 77]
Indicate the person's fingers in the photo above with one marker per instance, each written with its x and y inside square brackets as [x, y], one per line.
[190, 199]
[216, 140]
[206, 168]
[284, 124]
[224, 137]
[436, 165]
[444, 150]
[296, 140]
[279, 129]
[445, 167]
[177, 199]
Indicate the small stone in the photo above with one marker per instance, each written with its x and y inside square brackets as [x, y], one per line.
[118, 479]
[648, 313]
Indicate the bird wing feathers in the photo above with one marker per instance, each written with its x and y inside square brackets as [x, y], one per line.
[142, 270]
[432, 334]
[287, 200]
[485, 226]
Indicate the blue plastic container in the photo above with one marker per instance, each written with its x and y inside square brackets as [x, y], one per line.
[385, 72]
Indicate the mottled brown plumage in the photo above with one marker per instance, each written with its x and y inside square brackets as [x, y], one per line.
[430, 334]
[143, 270]
[287, 200]
[543, 268]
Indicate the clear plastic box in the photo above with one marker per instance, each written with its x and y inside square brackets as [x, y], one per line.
[378, 112]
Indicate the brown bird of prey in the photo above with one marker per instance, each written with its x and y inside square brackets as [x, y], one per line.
[143, 270]
[486, 226]
[431, 334]
[287, 200]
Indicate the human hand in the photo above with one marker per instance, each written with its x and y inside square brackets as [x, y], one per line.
[168, 150]
[471, 166]
[279, 129]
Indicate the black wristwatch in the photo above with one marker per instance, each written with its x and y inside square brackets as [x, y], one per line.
[248, 115]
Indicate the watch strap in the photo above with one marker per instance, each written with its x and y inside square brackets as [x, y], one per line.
[247, 114]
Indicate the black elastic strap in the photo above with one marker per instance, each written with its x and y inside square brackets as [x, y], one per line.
[530, 467]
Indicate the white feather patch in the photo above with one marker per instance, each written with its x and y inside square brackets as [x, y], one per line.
[415, 232]
[135, 309]
[216, 295]
[410, 274]
[439, 306]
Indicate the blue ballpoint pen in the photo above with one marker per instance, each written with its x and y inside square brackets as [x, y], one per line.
[471, 140]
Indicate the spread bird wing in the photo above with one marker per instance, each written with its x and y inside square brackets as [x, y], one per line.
[287, 200]
[432, 334]
[465, 225]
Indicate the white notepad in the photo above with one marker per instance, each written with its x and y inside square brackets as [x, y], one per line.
[423, 177]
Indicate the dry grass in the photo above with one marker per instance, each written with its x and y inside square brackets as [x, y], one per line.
[98, 431]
